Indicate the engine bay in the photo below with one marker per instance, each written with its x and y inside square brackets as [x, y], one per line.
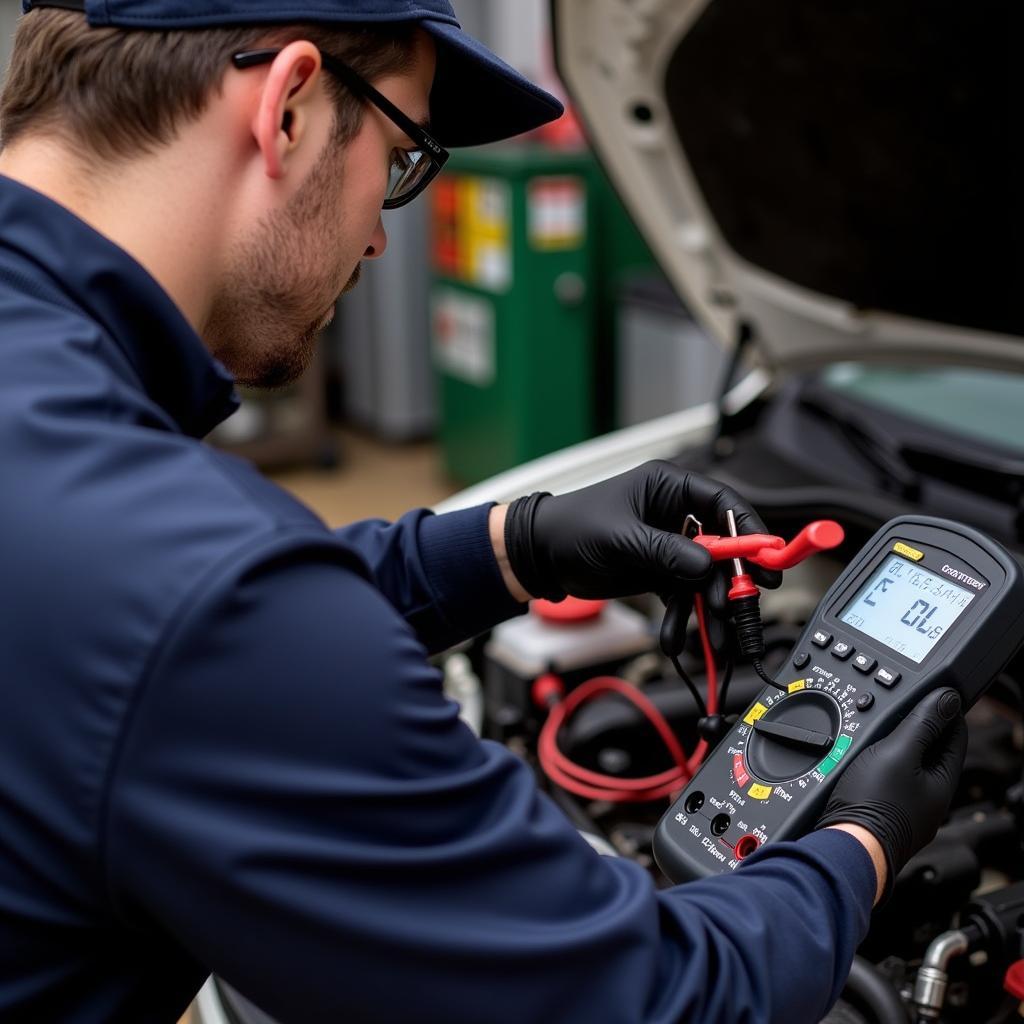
[945, 945]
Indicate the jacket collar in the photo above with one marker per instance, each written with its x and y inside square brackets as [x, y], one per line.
[173, 365]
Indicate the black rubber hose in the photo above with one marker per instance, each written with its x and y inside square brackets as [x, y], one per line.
[869, 988]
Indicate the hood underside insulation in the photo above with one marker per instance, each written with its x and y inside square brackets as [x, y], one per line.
[869, 151]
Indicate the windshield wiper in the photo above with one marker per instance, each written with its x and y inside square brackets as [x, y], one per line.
[996, 476]
[902, 467]
[884, 455]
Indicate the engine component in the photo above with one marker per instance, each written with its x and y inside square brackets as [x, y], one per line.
[524, 649]
[932, 978]
[935, 885]
[998, 919]
[868, 988]
[463, 687]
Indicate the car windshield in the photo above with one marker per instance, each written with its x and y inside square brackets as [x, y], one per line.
[983, 405]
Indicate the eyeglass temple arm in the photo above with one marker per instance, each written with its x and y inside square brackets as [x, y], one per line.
[253, 58]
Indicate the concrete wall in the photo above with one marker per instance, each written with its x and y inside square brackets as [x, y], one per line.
[517, 30]
[10, 11]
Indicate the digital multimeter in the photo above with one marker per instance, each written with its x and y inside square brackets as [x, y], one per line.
[926, 603]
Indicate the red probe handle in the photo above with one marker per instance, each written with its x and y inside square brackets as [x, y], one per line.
[747, 545]
[773, 552]
[821, 535]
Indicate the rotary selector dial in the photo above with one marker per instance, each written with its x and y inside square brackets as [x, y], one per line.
[793, 736]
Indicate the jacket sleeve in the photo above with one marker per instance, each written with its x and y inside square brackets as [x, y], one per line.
[439, 572]
[297, 805]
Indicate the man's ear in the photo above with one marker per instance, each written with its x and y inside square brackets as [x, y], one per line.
[283, 112]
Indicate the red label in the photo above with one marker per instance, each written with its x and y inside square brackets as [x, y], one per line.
[445, 235]
[739, 770]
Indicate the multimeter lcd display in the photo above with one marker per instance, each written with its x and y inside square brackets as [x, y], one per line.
[906, 607]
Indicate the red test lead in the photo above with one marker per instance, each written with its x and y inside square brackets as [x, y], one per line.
[770, 552]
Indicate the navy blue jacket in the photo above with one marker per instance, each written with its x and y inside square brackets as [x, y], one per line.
[222, 747]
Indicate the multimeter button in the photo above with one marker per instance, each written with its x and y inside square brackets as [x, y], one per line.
[820, 638]
[864, 701]
[800, 660]
[862, 663]
[887, 677]
[842, 650]
[720, 824]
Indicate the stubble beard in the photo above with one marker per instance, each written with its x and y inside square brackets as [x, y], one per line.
[264, 323]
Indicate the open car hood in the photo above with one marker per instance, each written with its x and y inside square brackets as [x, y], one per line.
[844, 177]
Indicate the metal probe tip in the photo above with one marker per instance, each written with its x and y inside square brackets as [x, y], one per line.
[730, 522]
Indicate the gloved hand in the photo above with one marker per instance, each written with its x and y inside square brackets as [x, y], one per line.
[900, 788]
[623, 536]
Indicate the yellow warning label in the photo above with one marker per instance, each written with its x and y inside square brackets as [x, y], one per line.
[484, 232]
[907, 551]
[754, 713]
[800, 684]
[759, 792]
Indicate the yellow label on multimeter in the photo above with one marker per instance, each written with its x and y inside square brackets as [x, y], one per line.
[754, 713]
[907, 551]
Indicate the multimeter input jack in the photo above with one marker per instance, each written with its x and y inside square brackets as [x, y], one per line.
[746, 846]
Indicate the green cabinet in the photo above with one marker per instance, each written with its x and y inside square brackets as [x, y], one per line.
[513, 305]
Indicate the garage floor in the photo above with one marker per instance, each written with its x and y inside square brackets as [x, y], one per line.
[373, 479]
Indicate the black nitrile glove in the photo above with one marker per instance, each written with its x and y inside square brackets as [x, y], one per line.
[900, 788]
[623, 536]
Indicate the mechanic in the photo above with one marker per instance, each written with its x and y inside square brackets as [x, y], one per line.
[222, 745]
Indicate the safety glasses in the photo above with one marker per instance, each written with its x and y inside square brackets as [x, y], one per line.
[411, 170]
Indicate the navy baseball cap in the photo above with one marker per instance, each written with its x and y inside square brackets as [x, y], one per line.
[477, 97]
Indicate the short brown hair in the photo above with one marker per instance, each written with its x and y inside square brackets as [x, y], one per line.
[119, 93]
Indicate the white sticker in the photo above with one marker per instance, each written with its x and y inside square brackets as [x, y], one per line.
[557, 213]
[493, 266]
[463, 336]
